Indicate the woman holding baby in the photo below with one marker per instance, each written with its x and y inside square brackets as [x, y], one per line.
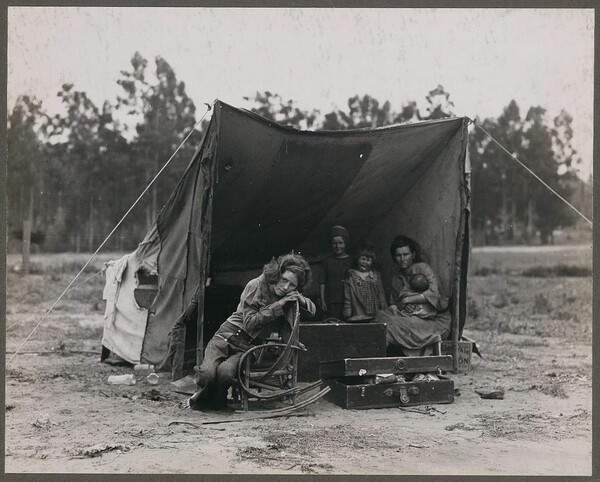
[417, 315]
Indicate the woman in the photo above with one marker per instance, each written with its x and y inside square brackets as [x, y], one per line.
[259, 313]
[414, 320]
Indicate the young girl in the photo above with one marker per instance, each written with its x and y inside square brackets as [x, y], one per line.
[333, 272]
[363, 289]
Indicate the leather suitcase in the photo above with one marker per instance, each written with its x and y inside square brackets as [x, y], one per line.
[335, 341]
[363, 396]
[352, 382]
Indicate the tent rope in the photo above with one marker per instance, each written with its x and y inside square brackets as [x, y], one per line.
[112, 232]
[531, 172]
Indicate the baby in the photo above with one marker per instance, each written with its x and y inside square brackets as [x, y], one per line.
[417, 283]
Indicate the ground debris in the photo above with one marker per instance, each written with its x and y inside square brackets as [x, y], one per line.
[460, 426]
[581, 413]
[130, 396]
[301, 443]
[43, 422]
[98, 450]
[552, 389]
[307, 467]
[184, 422]
[154, 395]
[425, 410]
[491, 393]
[418, 446]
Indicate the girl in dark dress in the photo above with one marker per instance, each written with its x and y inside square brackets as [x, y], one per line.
[333, 273]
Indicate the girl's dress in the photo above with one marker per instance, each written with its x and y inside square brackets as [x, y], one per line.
[333, 273]
[363, 297]
[416, 326]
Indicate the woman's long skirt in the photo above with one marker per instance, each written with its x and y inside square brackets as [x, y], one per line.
[413, 332]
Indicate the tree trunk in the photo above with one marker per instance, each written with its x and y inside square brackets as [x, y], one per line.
[26, 246]
[77, 235]
[504, 212]
[513, 218]
[91, 227]
[154, 191]
[530, 226]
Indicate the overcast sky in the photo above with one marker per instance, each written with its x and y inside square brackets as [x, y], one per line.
[319, 57]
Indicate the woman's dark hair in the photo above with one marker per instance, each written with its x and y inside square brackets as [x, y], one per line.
[402, 241]
[366, 249]
[288, 262]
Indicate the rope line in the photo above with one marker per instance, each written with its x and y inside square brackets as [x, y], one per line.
[111, 233]
[531, 172]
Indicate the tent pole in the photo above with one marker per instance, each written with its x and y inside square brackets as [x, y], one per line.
[209, 169]
[456, 306]
[455, 328]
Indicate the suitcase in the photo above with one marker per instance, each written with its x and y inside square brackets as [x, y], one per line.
[335, 341]
[352, 382]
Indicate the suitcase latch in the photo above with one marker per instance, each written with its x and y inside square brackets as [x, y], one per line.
[404, 398]
[402, 391]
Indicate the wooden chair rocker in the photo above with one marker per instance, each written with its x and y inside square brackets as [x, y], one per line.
[269, 372]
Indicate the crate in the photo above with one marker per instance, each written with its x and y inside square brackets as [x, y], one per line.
[465, 351]
[335, 341]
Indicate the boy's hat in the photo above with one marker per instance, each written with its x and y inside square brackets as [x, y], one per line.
[339, 231]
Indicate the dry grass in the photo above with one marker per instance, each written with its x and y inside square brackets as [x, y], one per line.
[62, 262]
[486, 263]
[287, 448]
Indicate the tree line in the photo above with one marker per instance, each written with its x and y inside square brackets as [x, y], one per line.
[75, 174]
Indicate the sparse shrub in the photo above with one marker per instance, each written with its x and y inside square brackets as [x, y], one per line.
[553, 389]
[485, 271]
[569, 298]
[558, 270]
[567, 315]
[541, 305]
[472, 308]
[499, 300]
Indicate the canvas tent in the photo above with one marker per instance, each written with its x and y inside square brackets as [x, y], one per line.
[255, 189]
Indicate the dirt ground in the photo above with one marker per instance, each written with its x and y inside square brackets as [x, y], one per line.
[534, 333]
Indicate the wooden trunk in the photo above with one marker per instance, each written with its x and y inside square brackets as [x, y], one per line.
[334, 341]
